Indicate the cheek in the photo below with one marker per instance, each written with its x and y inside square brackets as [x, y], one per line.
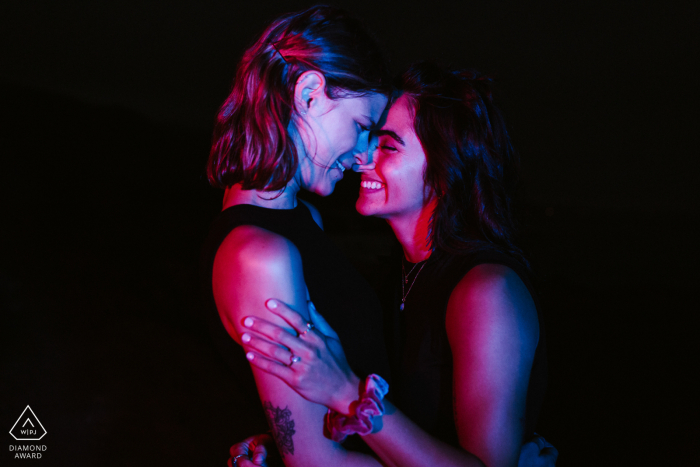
[406, 188]
[346, 136]
[349, 141]
[341, 136]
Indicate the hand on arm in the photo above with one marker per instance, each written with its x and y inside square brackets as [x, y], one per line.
[251, 265]
[398, 441]
[322, 375]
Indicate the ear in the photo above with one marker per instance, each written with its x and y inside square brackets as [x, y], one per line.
[310, 92]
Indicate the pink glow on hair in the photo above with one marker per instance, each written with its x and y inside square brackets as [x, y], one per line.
[251, 144]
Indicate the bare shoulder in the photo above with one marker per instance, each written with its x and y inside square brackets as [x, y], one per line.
[493, 294]
[314, 212]
[251, 266]
[249, 246]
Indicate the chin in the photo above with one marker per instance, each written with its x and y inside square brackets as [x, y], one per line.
[323, 190]
[364, 208]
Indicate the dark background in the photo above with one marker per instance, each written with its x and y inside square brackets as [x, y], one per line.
[106, 115]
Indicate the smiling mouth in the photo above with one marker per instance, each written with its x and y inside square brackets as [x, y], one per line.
[339, 166]
[372, 185]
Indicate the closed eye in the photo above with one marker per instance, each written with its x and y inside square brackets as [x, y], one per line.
[388, 148]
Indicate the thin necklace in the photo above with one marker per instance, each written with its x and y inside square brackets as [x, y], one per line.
[403, 270]
[404, 281]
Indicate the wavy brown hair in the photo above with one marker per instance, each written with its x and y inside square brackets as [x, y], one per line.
[471, 164]
[251, 144]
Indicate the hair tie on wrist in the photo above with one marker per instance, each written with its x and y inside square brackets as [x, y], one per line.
[370, 405]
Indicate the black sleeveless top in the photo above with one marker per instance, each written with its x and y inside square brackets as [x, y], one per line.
[419, 351]
[341, 295]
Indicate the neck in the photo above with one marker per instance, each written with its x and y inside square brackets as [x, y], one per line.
[412, 232]
[267, 199]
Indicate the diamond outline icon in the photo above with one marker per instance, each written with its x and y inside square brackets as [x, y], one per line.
[35, 418]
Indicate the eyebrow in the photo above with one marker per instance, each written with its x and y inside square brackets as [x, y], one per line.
[391, 134]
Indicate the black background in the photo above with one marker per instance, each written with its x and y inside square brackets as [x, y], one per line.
[107, 111]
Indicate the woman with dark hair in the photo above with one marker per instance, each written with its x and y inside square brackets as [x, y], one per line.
[464, 332]
[304, 97]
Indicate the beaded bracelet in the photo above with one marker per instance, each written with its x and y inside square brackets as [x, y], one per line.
[337, 426]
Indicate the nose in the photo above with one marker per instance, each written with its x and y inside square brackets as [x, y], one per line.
[364, 158]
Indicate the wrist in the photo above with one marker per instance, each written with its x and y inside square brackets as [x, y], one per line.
[346, 398]
[360, 420]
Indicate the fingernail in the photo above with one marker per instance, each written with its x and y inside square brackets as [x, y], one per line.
[248, 322]
[245, 337]
[250, 356]
[271, 304]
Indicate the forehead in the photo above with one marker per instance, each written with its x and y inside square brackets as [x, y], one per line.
[371, 105]
[399, 118]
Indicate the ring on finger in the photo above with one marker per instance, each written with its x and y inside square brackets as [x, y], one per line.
[293, 360]
[235, 459]
[309, 327]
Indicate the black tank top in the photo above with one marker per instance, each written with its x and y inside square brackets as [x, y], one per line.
[341, 295]
[419, 351]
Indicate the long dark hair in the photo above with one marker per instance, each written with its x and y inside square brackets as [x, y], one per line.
[251, 144]
[471, 165]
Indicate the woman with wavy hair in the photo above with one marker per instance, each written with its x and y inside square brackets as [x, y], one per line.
[304, 97]
[464, 331]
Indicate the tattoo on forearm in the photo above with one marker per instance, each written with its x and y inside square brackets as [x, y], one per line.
[282, 426]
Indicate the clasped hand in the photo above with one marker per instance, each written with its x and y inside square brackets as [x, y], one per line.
[311, 362]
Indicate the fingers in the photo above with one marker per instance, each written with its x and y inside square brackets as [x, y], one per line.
[267, 348]
[251, 452]
[305, 348]
[541, 442]
[274, 333]
[259, 448]
[242, 447]
[259, 454]
[242, 462]
[239, 461]
[294, 319]
[269, 366]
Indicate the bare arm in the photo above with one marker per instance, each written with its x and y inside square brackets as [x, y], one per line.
[492, 328]
[251, 265]
[323, 376]
[401, 443]
[493, 332]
